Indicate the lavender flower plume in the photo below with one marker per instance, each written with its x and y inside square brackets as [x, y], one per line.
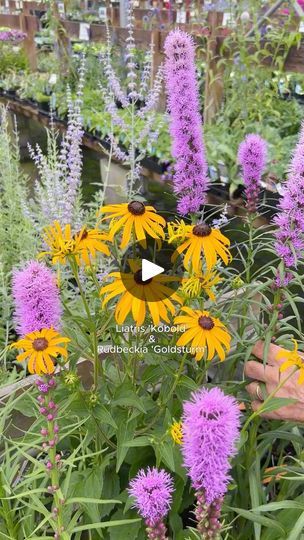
[252, 157]
[210, 430]
[57, 193]
[290, 219]
[152, 490]
[191, 171]
[36, 297]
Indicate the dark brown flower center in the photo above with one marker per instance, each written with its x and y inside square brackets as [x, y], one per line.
[202, 229]
[138, 278]
[206, 322]
[40, 344]
[136, 208]
[83, 234]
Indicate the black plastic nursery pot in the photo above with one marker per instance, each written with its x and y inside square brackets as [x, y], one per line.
[153, 164]
[44, 106]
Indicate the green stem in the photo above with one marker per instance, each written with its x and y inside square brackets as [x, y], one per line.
[170, 394]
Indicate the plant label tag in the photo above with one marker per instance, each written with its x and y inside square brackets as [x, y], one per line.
[181, 16]
[61, 9]
[301, 27]
[228, 19]
[84, 31]
[102, 13]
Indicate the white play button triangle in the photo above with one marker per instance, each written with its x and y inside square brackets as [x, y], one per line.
[150, 270]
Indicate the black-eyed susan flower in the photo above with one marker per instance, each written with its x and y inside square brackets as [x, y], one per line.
[194, 285]
[82, 245]
[61, 242]
[176, 432]
[201, 240]
[138, 296]
[177, 231]
[90, 241]
[134, 218]
[40, 349]
[293, 359]
[206, 333]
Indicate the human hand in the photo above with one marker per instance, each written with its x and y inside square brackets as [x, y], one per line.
[270, 375]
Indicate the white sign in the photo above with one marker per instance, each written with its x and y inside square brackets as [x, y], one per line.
[61, 9]
[102, 13]
[53, 79]
[84, 31]
[301, 27]
[181, 16]
[228, 19]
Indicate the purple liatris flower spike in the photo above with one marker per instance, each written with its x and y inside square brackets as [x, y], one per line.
[290, 220]
[210, 430]
[152, 491]
[252, 157]
[36, 296]
[191, 171]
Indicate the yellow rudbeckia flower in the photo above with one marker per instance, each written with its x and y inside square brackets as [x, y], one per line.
[83, 245]
[176, 432]
[204, 332]
[194, 285]
[90, 241]
[202, 240]
[293, 359]
[134, 218]
[137, 296]
[40, 348]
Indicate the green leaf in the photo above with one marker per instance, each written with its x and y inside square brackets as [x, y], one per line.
[296, 531]
[256, 518]
[102, 414]
[91, 500]
[254, 487]
[129, 533]
[105, 524]
[125, 433]
[139, 441]
[165, 453]
[276, 403]
[132, 400]
[274, 506]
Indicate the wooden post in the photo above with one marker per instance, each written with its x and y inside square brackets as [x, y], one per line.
[29, 25]
[63, 42]
[214, 85]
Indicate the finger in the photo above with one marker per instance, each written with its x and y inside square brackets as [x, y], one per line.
[292, 413]
[258, 371]
[258, 351]
[253, 390]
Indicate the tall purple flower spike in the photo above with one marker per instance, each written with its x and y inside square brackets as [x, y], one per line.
[210, 431]
[36, 296]
[191, 171]
[152, 492]
[252, 157]
[290, 219]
